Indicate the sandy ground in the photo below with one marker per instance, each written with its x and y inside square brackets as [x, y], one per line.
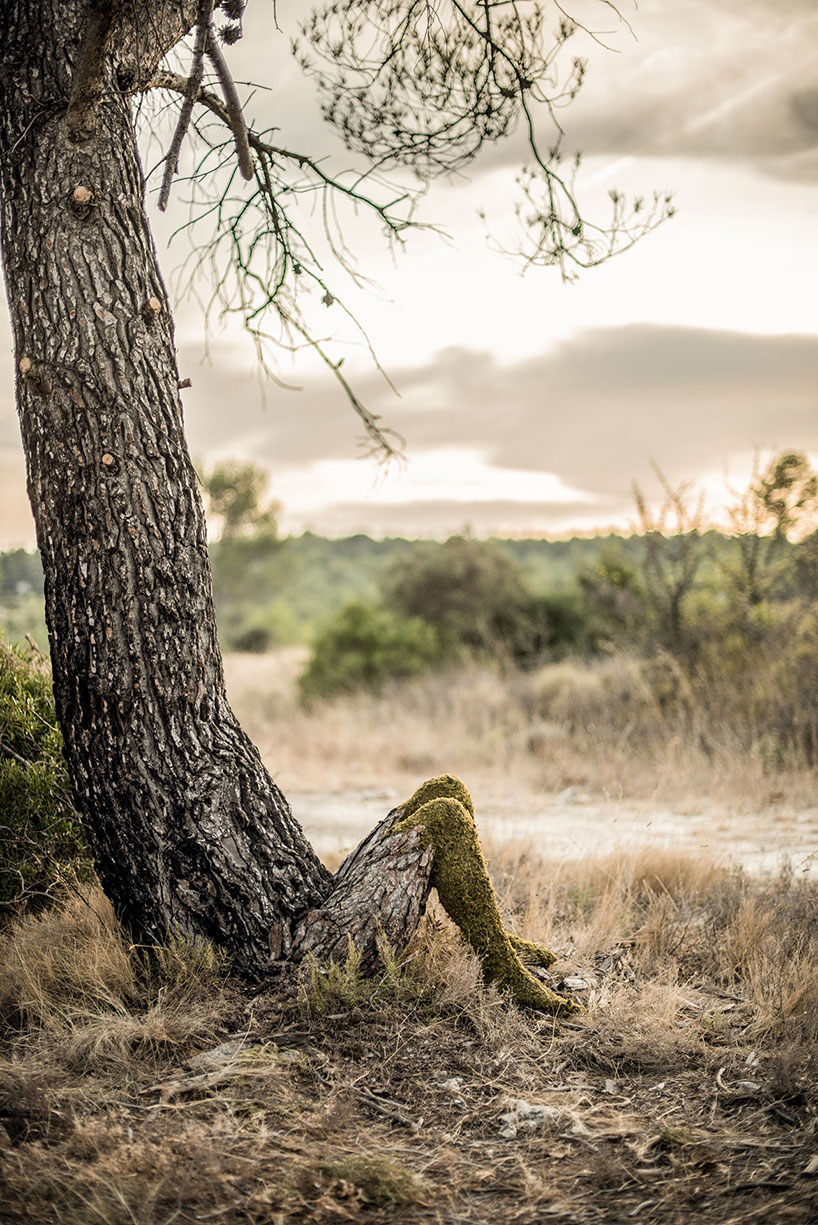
[571, 826]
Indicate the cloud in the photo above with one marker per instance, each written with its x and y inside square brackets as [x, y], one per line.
[607, 403]
[593, 412]
[551, 442]
[441, 517]
[729, 81]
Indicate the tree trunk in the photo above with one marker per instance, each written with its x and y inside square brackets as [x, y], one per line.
[379, 892]
[189, 831]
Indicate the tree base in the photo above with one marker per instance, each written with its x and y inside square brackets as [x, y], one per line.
[381, 890]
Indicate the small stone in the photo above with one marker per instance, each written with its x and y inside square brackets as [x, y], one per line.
[218, 1055]
[575, 983]
[534, 1115]
[453, 1086]
[82, 194]
[25, 365]
[525, 1117]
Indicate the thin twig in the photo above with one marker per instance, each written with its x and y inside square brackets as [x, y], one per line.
[194, 84]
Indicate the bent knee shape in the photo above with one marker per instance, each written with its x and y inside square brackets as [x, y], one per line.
[444, 787]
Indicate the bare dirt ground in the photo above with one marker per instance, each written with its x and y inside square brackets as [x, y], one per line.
[572, 825]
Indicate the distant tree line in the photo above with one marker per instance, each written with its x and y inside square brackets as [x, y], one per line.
[729, 617]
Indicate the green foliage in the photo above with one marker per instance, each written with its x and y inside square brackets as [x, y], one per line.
[234, 500]
[777, 505]
[787, 493]
[471, 591]
[20, 574]
[21, 595]
[249, 561]
[674, 546]
[805, 557]
[558, 624]
[23, 617]
[365, 646]
[614, 595]
[724, 624]
[42, 841]
[333, 988]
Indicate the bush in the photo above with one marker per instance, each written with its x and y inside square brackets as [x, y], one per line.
[364, 646]
[471, 591]
[552, 627]
[258, 627]
[42, 840]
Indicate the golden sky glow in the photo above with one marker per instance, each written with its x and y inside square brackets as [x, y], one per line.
[527, 405]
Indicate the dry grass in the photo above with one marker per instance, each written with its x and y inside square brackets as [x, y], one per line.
[597, 726]
[687, 1091]
[70, 981]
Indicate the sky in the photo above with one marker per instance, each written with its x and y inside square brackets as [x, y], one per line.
[530, 407]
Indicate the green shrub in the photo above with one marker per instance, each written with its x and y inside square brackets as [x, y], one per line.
[40, 835]
[22, 615]
[551, 627]
[257, 628]
[472, 592]
[364, 646]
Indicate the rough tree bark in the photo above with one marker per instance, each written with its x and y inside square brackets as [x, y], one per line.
[189, 831]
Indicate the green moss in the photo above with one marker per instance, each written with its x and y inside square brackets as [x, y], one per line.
[446, 786]
[530, 953]
[40, 835]
[443, 809]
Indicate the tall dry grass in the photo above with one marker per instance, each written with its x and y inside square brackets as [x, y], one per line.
[616, 727]
[70, 980]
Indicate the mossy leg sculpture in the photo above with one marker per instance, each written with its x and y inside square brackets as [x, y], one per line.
[443, 810]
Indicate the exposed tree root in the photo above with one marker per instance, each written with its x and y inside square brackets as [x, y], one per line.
[442, 808]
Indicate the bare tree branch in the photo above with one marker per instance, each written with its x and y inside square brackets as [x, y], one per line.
[232, 105]
[407, 84]
[194, 83]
